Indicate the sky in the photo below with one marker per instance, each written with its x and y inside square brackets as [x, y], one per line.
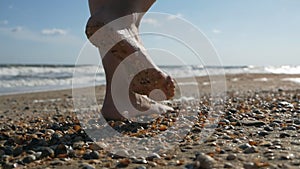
[248, 32]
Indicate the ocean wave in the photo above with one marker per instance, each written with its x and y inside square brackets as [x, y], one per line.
[43, 77]
[283, 69]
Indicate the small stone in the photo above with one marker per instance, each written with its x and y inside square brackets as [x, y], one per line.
[140, 160]
[29, 159]
[236, 140]
[78, 145]
[17, 151]
[231, 157]
[269, 128]
[46, 152]
[250, 150]
[284, 135]
[295, 142]
[153, 156]
[77, 128]
[274, 124]
[61, 150]
[228, 165]
[152, 164]
[225, 121]
[96, 147]
[86, 166]
[124, 162]
[163, 127]
[287, 157]
[8, 166]
[291, 128]
[8, 150]
[141, 167]
[286, 104]
[179, 162]
[94, 155]
[2, 153]
[244, 146]
[49, 131]
[250, 165]
[262, 133]
[122, 153]
[253, 123]
[265, 144]
[297, 121]
[206, 162]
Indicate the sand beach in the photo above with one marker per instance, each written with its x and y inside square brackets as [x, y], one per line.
[259, 128]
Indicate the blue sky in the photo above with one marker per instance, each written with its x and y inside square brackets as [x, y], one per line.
[248, 32]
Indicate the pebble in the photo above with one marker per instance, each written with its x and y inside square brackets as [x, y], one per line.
[253, 123]
[1, 153]
[228, 165]
[269, 128]
[265, 144]
[8, 150]
[94, 155]
[292, 128]
[284, 135]
[29, 159]
[250, 165]
[122, 153]
[274, 124]
[140, 160]
[287, 157]
[231, 157]
[297, 121]
[262, 133]
[57, 162]
[153, 156]
[244, 146]
[124, 162]
[86, 166]
[46, 152]
[78, 145]
[206, 162]
[141, 167]
[152, 164]
[250, 150]
[17, 151]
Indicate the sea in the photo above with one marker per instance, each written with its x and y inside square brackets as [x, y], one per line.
[15, 79]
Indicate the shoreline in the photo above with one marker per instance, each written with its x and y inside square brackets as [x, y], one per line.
[258, 77]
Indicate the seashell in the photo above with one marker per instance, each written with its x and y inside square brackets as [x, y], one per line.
[163, 127]
[77, 128]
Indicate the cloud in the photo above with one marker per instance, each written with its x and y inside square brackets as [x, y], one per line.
[150, 21]
[23, 33]
[172, 17]
[216, 31]
[4, 22]
[16, 29]
[54, 31]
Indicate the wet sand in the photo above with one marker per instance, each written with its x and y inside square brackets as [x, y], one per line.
[259, 128]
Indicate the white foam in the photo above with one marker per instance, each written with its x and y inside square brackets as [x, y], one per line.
[283, 69]
[296, 80]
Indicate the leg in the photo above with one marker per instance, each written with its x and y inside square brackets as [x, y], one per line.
[105, 11]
